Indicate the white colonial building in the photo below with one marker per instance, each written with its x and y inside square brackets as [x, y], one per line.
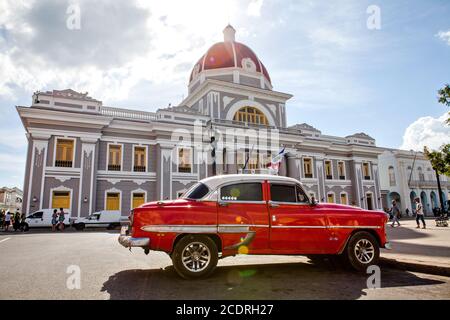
[10, 199]
[406, 175]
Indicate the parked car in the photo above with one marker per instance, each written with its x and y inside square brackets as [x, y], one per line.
[43, 218]
[227, 215]
[102, 219]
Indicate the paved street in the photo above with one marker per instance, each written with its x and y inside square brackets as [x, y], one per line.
[429, 246]
[34, 265]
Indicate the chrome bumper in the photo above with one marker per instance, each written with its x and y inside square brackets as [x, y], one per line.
[129, 242]
[388, 246]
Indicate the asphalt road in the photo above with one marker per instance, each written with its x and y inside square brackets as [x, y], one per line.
[36, 265]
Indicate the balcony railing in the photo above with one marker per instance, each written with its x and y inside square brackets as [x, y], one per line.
[128, 114]
[428, 184]
[63, 163]
[329, 177]
[114, 167]
[308, 175]
[366, 177]
[139, 168]
[341, 177]
[184, 169]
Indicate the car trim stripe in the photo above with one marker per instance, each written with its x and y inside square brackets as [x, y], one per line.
[236, 228]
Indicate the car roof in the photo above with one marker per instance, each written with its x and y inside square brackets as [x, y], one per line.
[215, 181]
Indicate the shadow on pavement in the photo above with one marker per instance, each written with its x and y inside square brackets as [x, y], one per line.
[402, 233]
[270, 281]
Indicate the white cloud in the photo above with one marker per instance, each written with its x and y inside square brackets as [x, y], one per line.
[426, 131]
[12, 170]
[136, 41]
[444, 36]
[254, 8]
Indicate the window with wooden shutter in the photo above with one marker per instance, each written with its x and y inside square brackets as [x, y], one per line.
[64, 153]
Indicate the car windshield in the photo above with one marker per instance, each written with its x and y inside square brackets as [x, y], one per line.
[196, 192]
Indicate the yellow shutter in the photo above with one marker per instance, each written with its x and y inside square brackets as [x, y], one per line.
[61, 200]
[112, 201]
[344, 199]
[330, 198]
[138, 199]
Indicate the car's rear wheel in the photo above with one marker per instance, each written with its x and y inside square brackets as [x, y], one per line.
[362, 251]
[195, 256]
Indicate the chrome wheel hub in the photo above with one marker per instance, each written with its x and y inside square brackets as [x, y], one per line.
[196, 257]
[364, 251]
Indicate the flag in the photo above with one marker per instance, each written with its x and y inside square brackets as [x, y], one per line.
[274, 165]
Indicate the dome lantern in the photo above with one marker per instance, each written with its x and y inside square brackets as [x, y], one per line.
[229, 34]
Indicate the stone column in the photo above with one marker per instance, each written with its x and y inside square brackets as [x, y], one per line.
[320, 175]
[164, 171]
[36, 181]
[87, 177]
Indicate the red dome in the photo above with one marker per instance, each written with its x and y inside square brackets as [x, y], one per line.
[229, 54]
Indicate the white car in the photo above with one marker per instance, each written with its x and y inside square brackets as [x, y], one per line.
[102, 219]
[43, 218]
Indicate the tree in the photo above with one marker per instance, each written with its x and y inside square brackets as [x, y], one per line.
[444, 98]
[440, 161]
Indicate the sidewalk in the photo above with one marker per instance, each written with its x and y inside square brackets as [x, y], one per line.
[426, 250]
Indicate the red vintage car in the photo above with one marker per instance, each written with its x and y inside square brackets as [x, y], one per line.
[227, 215]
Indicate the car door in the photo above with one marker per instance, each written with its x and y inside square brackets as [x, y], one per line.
[295, 224]
[36, 219]
[242, 206]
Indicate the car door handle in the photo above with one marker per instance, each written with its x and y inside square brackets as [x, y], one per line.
[274, 218]
[223, 204]
[274, 205]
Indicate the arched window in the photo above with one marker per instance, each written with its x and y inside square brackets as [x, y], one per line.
[391, 176]
[250, 115]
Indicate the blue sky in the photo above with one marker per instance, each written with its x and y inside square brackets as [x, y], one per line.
[344, 77]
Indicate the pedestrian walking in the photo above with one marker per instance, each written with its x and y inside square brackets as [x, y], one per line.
[61, 219]
[419, 214]
[395, 211]
[16, 224]
[7, 220]
[54, 220]
[23, 219]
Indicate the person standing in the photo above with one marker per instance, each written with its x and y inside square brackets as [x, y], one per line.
[395, 211]
[419, 214]
[7, 220]
[61, 219]
[54, 219]
[16, 224]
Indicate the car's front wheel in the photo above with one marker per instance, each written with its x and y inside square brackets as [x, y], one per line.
[362, 251]
[195, 256]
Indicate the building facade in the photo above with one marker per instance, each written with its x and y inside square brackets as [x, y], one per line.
[85, 157]
[407, 175]
[10, 199]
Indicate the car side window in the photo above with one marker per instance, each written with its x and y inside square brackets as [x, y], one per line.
[301, 195]
[249, 191]
[38, 215]
[283, 193]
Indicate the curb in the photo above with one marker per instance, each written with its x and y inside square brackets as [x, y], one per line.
[415, 267]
